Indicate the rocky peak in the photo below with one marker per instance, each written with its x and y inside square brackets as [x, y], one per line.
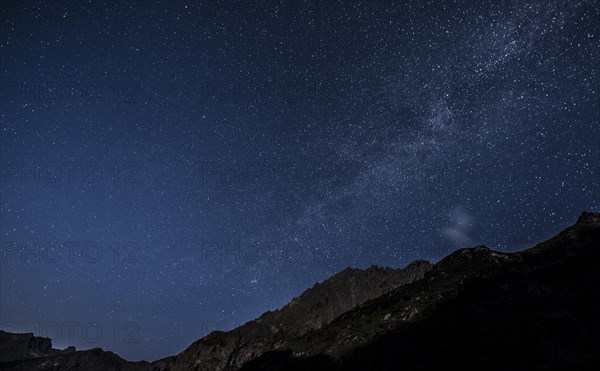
[312, 310]
[588, 218]
[324, 302]
[15, 347]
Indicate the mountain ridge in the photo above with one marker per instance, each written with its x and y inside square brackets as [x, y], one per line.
[315, 307]
[541, 276]
[414, 318]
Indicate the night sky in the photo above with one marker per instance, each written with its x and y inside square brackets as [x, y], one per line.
[174, 167]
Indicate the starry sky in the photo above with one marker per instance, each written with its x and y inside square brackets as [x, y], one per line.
[174, 167]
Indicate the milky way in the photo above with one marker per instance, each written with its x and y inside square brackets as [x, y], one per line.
[174, 167]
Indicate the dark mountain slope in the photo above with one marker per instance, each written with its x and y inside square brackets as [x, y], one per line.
[14, 347]
[28, 353]
[476, 309]
[313, 309]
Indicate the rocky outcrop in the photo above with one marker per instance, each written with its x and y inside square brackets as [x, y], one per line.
[89, 360]
[15, 347]
[475, 309]
[315, 308]
[32, 353]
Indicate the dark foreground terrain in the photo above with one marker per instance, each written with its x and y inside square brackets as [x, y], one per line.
[475, 309]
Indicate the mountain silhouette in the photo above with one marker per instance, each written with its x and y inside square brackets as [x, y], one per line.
[475, 309]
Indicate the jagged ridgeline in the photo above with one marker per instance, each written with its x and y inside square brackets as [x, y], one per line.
[475, 309]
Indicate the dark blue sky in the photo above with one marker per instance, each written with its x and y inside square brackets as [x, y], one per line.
[174, 167]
